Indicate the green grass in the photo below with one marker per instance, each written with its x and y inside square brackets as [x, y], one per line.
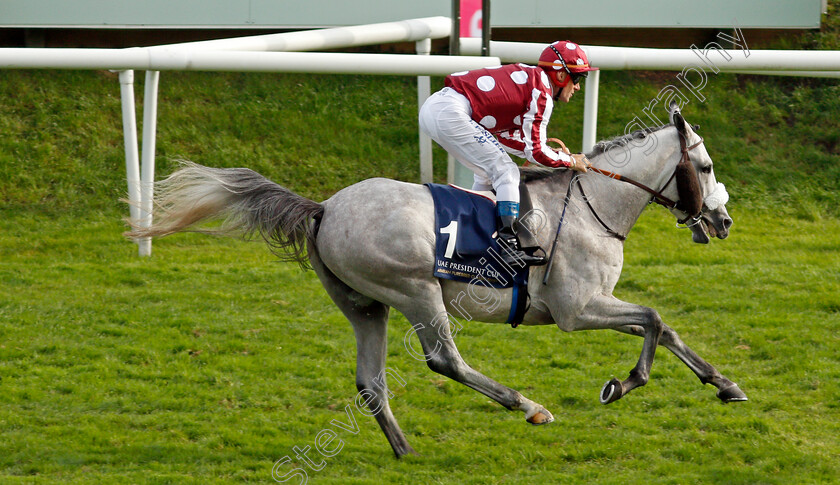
[210, 361]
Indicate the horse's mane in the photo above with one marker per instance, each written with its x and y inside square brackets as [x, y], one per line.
[536, 172]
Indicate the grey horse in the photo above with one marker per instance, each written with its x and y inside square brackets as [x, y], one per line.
[369, 264]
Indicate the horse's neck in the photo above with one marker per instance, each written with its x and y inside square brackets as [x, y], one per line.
[619, 204]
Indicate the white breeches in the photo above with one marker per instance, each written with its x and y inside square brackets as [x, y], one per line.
[445, 117]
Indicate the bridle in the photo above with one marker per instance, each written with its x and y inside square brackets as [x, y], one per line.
[656, 195]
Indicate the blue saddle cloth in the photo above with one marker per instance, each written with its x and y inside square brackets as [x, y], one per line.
[465, 249]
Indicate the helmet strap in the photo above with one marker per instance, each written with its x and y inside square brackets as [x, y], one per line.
[555, 79]
[563, 83]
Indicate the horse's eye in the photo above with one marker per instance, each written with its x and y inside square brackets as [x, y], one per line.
[706, 169]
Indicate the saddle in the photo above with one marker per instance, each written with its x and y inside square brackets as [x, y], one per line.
[466, 249]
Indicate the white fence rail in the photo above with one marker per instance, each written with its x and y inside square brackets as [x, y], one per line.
[692, 64]
[150, 59]
[636, 58]
[268, 53]
[248, 54]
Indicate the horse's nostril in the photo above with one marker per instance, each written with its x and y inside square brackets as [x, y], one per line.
[727, 223]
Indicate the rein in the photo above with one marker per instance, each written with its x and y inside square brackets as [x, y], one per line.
[656, 195]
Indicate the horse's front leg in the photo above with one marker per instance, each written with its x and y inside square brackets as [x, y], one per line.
[608, 312]
[728, 391]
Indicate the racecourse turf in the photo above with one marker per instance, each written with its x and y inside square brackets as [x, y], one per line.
[210, 361]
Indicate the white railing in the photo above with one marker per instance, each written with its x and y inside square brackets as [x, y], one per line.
[263, 53]
[269, 53]
[690, 62]
[638, 58]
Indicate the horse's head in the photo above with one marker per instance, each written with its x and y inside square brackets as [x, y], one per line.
[702, 200]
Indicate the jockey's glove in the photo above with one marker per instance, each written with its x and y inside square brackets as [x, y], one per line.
[579, 163]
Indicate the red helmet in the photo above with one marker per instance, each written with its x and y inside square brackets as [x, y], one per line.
[565, 55]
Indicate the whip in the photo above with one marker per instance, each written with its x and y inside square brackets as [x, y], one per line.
[557, 234]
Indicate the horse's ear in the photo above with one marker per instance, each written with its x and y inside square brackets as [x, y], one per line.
[676, 116]
[673, 106]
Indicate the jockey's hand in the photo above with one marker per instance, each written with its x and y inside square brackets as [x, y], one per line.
[580, 163]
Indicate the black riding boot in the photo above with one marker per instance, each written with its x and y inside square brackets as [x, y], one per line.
[512, 253]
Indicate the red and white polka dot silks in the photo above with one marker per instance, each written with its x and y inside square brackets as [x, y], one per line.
[514, 102]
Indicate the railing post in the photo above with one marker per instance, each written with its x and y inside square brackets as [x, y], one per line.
[147, 169]
[132, 165]
[455, 35]
[454, 50]
[485, 27]
[590, 110]
[424, 48]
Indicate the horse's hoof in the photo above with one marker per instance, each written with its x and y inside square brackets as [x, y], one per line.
[732, 393]
[612, 391]
[405, 451]
[542, 416]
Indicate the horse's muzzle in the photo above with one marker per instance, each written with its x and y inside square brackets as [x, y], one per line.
[712, 224]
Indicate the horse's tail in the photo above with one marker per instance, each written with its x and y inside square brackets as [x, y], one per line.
[246, 202]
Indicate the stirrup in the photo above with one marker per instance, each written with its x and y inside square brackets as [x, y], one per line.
[533, 250]
[530, 259]
[514, 256]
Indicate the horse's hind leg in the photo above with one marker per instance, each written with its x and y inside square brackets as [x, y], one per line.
[370, 324]
[728, 391]
[431, 325]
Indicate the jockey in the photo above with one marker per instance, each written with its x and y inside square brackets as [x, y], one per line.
[480, 116]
